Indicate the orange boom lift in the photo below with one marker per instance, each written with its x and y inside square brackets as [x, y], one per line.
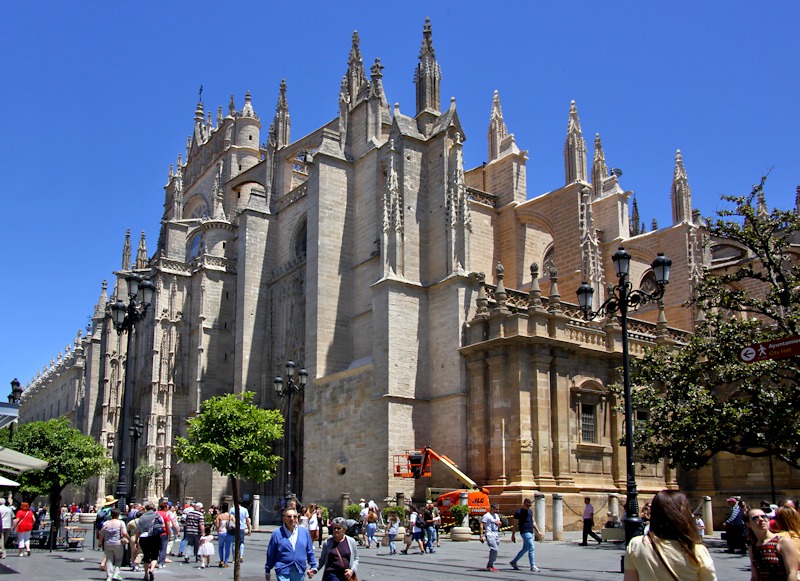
[417, 464]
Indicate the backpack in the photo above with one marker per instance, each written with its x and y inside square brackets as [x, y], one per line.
[156, 527]
[102, 516]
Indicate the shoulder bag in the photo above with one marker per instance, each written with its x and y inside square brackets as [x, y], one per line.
[353, 577]
[661, 557]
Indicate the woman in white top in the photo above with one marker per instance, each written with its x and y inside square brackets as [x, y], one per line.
[303, 521]
[313, 522]
[672, 550]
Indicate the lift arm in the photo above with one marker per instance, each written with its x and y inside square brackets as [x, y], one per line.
[429, 453]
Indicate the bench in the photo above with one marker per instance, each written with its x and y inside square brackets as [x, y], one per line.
[612, 534]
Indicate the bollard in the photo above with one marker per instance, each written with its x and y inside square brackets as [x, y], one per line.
[708, 515]
[256, 512]
[400, 499]
[613, 503]
[345, 503]
[558, 517]
[539, 513]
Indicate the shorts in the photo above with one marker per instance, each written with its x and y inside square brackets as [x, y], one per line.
[417, 536]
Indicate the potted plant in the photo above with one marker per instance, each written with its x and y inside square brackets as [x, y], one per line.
[460, 514]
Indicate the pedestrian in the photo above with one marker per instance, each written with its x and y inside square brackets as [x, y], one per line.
[392, 528]
[339, 555]
[163, 512]
[244, 525]
[225, 534]
[787, 524]
[490, 527]
[588, 522]
[192, 529]
[148, 536]
[700, 524]
[136, 552]
[313, 522]
[772, 557]
[303, 520]
[734, 526]
[24, 525]
[415, 525]
[206, 547]
[672, 549]
[115, 536]
[430, 526]
[102, 514]
[362, 521]
[524, 523]
[6, 517]
[372, 525]
[290, 551]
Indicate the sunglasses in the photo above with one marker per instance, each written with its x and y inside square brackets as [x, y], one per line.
[758, 517]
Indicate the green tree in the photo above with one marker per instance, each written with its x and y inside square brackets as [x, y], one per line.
[235, 438]
[701, 399]
[72, 459]
[147, 472]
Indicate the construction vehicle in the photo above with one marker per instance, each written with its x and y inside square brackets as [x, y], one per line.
[417, 464]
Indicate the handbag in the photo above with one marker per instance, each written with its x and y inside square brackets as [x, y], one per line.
[353, 577]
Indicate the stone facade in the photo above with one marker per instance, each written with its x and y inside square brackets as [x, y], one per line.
[422, 297]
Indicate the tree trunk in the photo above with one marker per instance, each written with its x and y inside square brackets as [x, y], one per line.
[55, 516]
[238, 532]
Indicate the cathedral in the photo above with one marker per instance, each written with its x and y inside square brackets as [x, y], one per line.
[431, 303]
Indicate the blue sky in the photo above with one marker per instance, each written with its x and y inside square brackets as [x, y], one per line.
[98, 98]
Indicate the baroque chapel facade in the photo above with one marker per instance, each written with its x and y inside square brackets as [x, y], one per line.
[423, 297]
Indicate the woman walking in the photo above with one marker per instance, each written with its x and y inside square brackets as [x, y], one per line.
[24, 525]
[772, 557]
[392, 528]
[672, 549]
[372, 526]
[490, 526]
[339, 554]
[114, 535]
[225, 534]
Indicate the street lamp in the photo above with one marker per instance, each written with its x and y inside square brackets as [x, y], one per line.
[624, 297]
[14, 398]
[135, 432]
[288, 390]
[125, 318]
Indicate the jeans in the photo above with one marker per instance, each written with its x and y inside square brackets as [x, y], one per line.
[392, 548]
[162, 553]
[225, 546]
[371, 527]
[493, 542]
[290, 574]
[527, 547]
[430, 537]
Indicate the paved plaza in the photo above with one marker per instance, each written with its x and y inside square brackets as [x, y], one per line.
[564, 560]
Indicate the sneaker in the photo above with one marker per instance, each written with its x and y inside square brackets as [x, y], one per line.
[514, 565]
[492, 569]
[535, 569]
[404, 551]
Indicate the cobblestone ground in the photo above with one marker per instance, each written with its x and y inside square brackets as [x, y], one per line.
[563, 560]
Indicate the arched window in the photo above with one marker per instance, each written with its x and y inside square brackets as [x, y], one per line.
[301, 241]
[549, 262]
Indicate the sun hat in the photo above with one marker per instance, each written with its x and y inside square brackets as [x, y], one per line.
[109, 500]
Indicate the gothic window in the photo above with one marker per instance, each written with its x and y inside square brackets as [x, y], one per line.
[301, 241]
[588, 423]
[649, 284]
[194, 246]
[549, 261]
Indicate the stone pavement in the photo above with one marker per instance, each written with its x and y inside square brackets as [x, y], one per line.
[558, 560]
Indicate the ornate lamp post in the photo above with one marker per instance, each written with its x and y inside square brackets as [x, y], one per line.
[135, 432]
[126, 317]
[14, 398]
[288, 390]
[624, 297]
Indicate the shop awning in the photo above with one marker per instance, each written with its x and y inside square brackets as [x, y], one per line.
[5, 482]
[17, 462]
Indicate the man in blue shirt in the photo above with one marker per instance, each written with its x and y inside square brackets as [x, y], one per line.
[290, 551]
[523, 521]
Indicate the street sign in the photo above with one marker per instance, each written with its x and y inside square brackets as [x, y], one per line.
[777, 349]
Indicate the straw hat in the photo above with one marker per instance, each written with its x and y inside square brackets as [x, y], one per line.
[109, 500]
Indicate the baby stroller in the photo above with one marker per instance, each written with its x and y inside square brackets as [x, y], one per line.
[353, 529]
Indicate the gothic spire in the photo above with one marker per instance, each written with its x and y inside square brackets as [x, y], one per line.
[356, 78]
[497, 128]
[428, 74]
[126, 251]
[247, 110]
[141, 254]
[574, 148]
[635, 225]
[681, 193]
[281, 123]
[599, 168]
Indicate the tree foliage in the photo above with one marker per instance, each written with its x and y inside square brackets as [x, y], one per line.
[701, 399]
[72, 459]
[235, 438]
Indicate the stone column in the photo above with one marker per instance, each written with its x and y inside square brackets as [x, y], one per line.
[613, 503]
[560, 399]
[539, 513]
[558, 517]
[345, 503]
[538, 444]
[256, 512]
[463, 499]
[708, 515]
[497, 407]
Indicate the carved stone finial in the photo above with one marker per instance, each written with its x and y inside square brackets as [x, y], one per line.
[554, 298]
[535, 294]
[482, 301]
[500, 294]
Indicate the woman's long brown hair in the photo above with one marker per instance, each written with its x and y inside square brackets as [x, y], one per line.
[671, 518]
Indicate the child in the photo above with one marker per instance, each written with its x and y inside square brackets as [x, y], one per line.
[206, 548]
